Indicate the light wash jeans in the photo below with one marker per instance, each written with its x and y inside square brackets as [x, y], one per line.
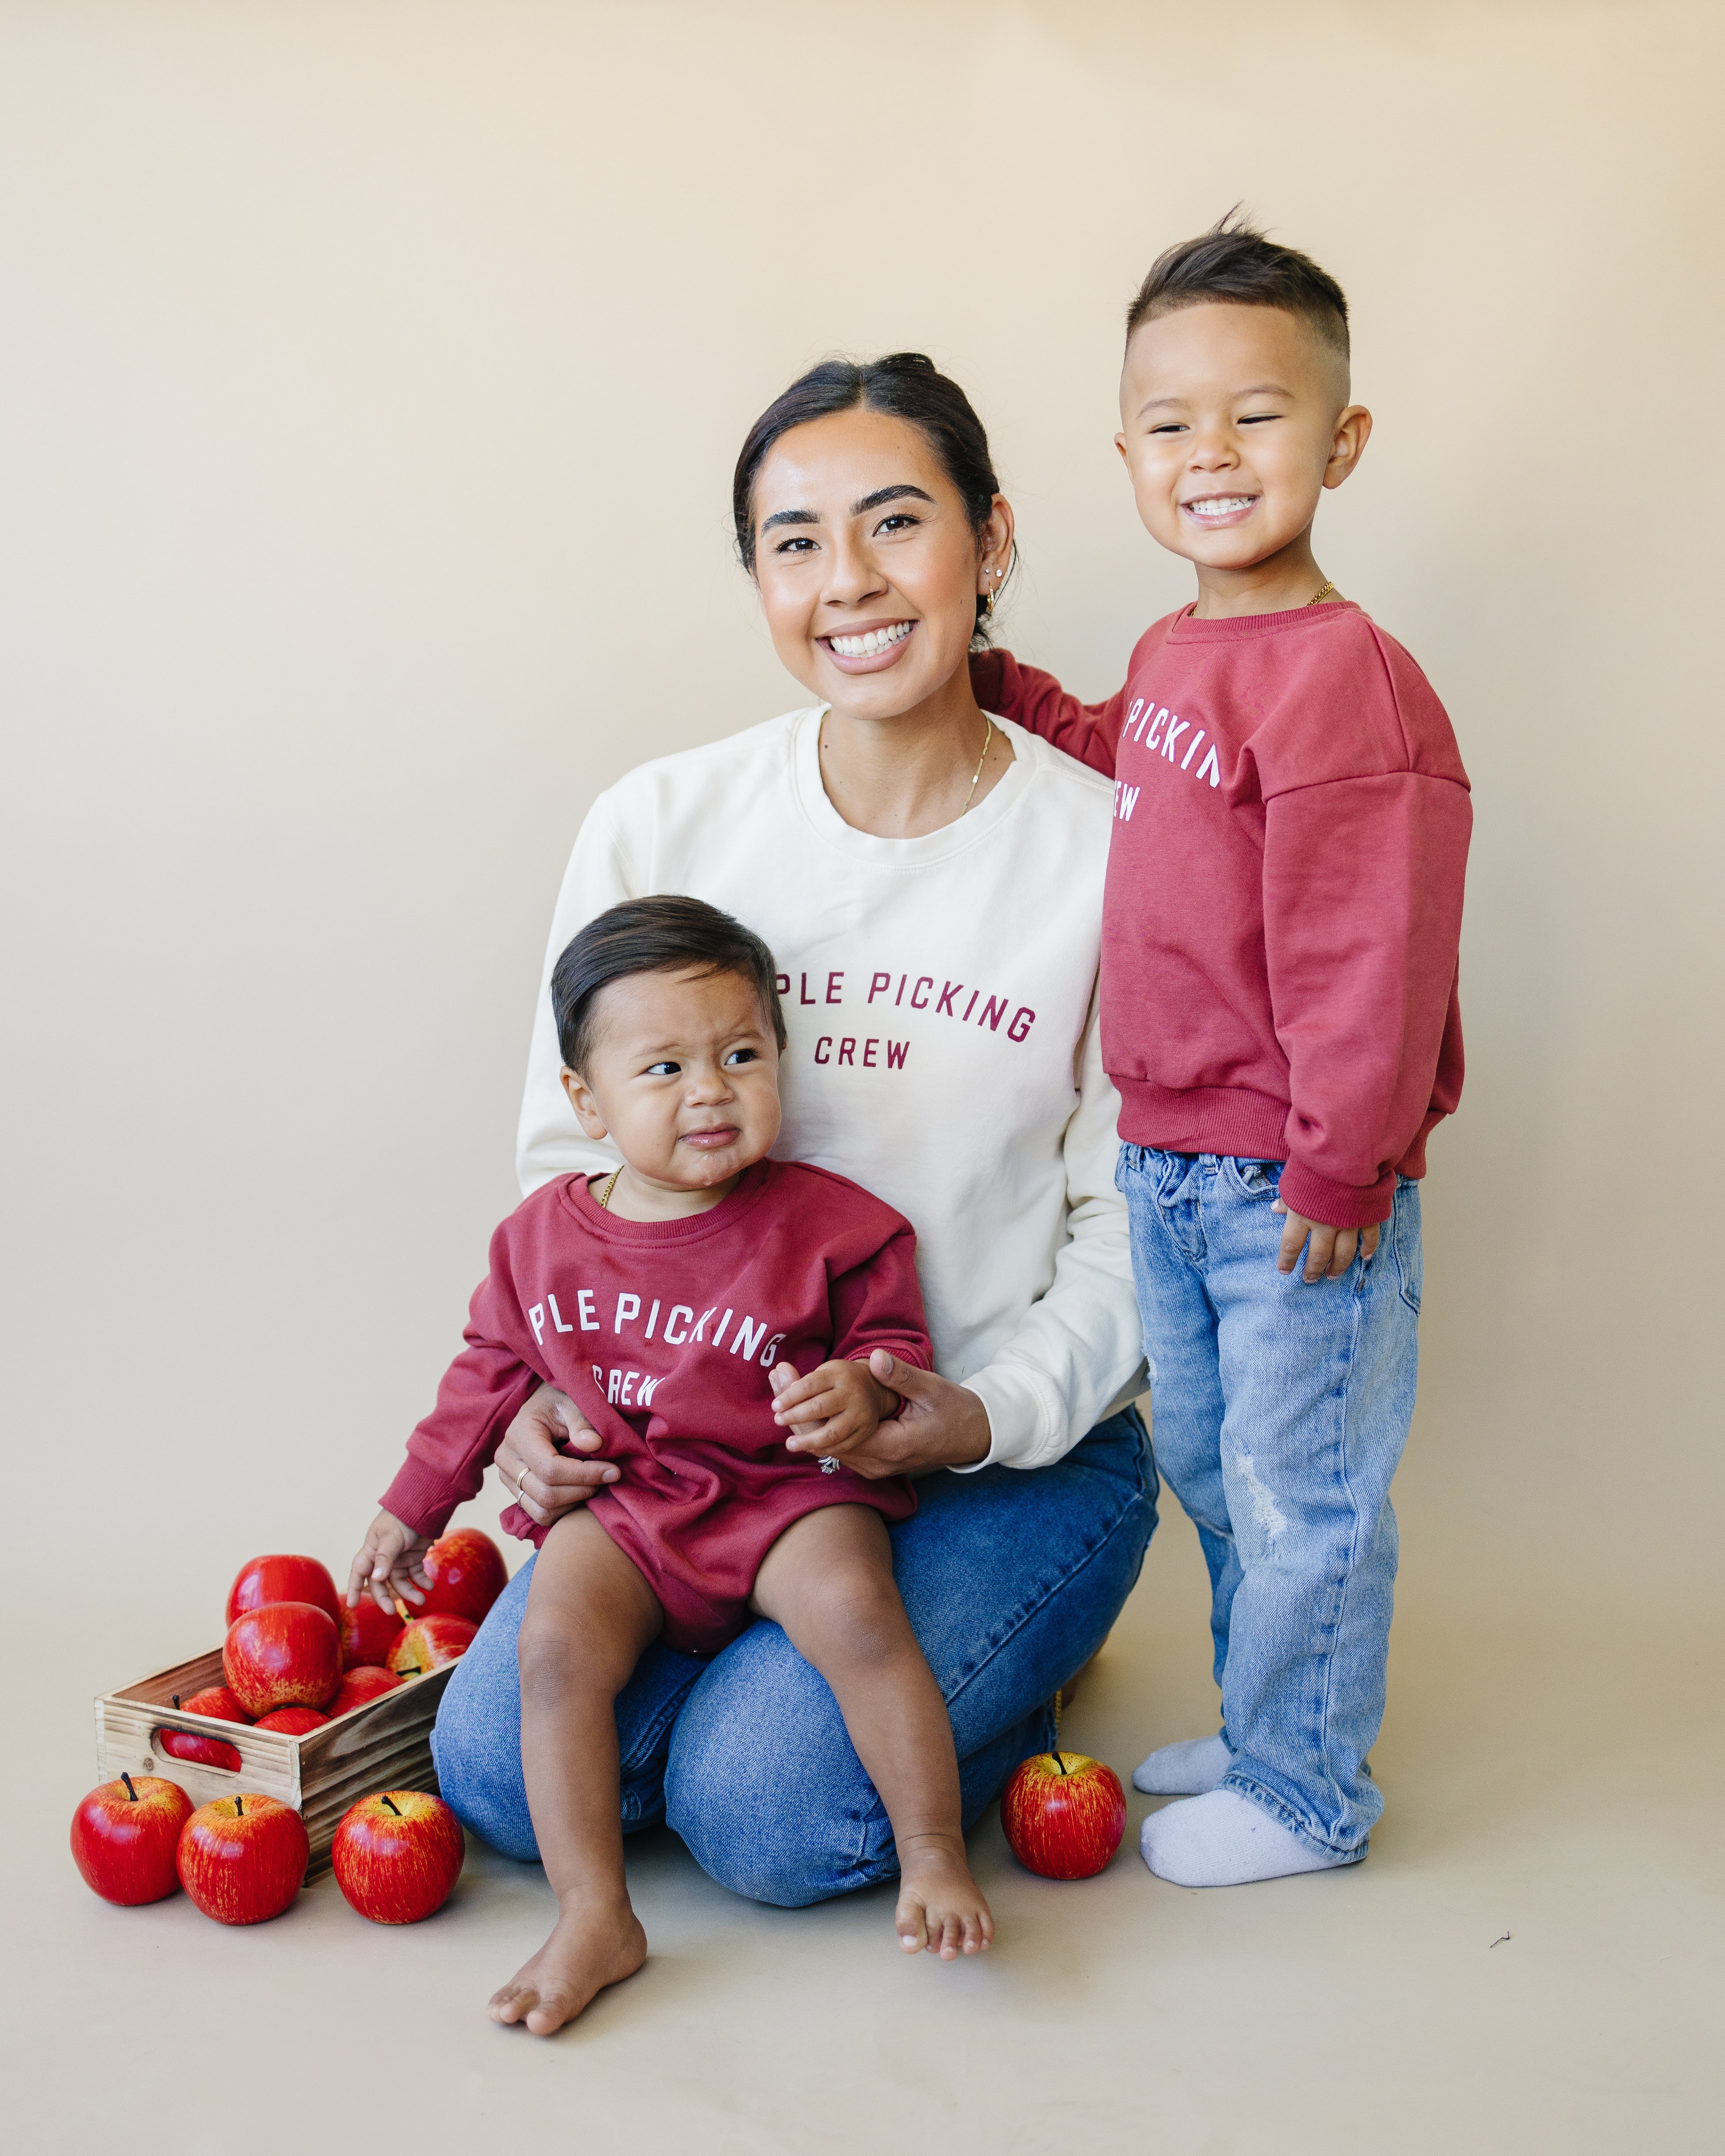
[1280, 1414]
[1012, 1580]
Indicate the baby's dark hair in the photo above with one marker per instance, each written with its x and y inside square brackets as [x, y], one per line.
[670, 935]
[1233, 261]
[905, 385]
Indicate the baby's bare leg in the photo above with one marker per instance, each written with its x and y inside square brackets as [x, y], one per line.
[590, 1615]
[828, 1580]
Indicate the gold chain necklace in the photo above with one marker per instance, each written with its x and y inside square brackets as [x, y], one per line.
[1321, 596]
[820, 750]
[987, 736]
[610, 1185]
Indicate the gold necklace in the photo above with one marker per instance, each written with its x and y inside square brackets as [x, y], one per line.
[988, 735]
[610, 1185]
[820, 750]
[1321, 596]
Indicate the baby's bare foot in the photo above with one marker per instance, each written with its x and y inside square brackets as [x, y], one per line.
[940, 1905]
[591, 1946]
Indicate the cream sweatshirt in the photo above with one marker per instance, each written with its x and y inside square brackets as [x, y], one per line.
[941, 997]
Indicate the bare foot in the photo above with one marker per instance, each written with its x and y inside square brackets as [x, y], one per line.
[590, 1947]
[940, 1905]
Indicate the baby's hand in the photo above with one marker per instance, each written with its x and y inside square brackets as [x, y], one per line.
[389, 1563]
[1330, 1251]
[833, 1409]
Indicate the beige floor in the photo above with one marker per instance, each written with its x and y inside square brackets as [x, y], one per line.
[1540, 1790]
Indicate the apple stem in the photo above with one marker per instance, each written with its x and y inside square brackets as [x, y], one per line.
[393, 1806]
[1059, 1762]
[239, 1808]
[131, 1793]
[175, 1698]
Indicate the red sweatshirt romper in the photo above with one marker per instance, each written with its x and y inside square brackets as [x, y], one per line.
[663, 1333]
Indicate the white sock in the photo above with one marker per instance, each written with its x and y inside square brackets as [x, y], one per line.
[1188, 1769]
[1225, 1840]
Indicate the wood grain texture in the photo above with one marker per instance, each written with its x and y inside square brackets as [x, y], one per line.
[385, 1744]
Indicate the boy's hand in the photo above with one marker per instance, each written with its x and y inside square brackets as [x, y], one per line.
[390, 1563]
[833, 1409]
[1329, 1251]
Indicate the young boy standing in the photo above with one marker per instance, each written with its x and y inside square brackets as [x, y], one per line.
[1279, 1013]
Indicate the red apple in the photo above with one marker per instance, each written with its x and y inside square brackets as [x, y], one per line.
[1064, 1815]
[284, 1579]
[124, 1835]
[467, 1574]
[218, 1702]
[193, 1745]
[368, 1634]
[242, 1859]
[397, 1855]
[293, 1721]
[287, 1654]
[197, 1750]
[359, 1686]
[430, 1642]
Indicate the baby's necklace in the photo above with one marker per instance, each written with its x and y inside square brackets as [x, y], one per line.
[610, 1185]
[1321, 596]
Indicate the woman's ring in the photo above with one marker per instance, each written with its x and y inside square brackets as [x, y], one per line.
[521, 1485]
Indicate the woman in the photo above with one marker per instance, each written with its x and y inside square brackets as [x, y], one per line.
[930, 880]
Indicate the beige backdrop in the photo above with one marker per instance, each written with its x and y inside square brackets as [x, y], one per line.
[372, 379]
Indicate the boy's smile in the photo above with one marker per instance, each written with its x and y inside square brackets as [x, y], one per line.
[1211, 512]
[1234, 419]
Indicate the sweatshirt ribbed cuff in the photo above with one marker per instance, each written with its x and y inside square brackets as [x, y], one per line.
[1337, 1205]
[1025, 1420]
[420, 1499]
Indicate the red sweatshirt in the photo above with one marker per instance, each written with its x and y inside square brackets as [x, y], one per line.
[1284, 894]
[663, 1331]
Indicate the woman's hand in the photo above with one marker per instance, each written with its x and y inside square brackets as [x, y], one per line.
[390, 1563]
[938, 1424]
[543, 1481]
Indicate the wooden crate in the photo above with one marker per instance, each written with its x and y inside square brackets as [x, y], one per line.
[385, 1744]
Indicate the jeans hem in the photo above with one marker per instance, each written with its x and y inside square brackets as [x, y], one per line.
[1247, 1786]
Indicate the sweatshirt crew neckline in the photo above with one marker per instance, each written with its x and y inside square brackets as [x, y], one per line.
[1187, 628]
[929, 847]
[577, 1193]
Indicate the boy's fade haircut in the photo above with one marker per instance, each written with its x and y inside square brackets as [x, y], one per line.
[1234, 264]
[667, 934]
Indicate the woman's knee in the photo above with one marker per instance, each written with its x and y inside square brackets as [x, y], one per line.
[476, 1744]
[763, 1785]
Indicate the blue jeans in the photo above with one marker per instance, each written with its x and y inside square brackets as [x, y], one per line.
[1012, 1580]
[1281, 1411]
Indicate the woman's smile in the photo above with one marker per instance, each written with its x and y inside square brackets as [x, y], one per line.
[869, 647]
